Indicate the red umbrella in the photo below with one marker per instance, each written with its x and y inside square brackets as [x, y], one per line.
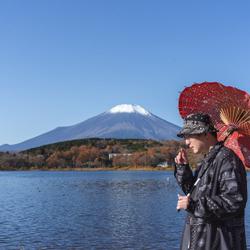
[229, 109]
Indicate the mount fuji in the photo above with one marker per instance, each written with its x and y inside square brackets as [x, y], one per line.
[125, 121]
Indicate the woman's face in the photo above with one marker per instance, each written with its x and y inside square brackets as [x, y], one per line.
[196, 142]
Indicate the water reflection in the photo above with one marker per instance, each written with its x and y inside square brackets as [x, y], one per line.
[89, 210]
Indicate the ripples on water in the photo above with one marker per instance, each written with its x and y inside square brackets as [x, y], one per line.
[89, 210]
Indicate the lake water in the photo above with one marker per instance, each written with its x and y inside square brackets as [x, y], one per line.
[90, 210]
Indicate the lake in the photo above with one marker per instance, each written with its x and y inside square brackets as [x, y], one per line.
[90, 210]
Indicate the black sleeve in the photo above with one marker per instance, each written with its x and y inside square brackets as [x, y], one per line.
[184, 177]
[231, 196]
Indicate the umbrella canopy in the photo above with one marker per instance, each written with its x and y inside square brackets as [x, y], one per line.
[229, 109]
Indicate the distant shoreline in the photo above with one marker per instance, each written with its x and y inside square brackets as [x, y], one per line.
[94, 169]
[114, 169]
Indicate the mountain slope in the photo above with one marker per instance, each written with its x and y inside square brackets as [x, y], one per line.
[121, 122]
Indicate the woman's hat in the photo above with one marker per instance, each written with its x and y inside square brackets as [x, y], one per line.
[195, 124]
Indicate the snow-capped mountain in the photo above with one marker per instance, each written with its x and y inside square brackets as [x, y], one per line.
[128, 108]
[125, 121]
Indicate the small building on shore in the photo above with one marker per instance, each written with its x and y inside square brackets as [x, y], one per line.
[165, 164]
[112, 155]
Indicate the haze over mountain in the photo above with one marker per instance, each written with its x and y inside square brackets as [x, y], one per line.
[125, 121]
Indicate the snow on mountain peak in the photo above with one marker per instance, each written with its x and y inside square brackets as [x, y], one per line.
[129, 108]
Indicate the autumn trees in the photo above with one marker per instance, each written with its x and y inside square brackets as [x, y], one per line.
[95, 153]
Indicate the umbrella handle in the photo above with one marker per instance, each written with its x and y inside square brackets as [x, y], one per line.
[229, 132]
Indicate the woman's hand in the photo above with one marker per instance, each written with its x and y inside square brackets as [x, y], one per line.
[181, 157]
[183, 202]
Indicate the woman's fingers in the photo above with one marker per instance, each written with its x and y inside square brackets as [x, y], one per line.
[183, 202]
[178, 158]
[183, 155]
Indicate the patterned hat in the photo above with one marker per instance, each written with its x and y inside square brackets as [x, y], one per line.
[195, 124]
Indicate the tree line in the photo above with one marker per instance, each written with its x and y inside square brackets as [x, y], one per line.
[95, 153]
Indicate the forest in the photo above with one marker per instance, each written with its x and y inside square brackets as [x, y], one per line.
[97, 153]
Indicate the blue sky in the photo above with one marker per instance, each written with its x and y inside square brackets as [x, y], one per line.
[65, 61]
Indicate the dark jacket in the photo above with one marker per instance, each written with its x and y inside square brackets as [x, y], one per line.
[215, 217]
